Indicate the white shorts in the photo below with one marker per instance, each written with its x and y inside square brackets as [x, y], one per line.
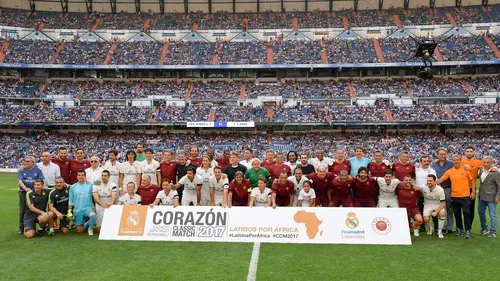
[296, 200]
[393, 203]
[219, 200]
[187, 199]
[429, 208]
[98, 218]
[205, 200]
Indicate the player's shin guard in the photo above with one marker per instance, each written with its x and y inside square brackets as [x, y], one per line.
[92, 218]
[416, 225]
[441, 222]
[428, 225]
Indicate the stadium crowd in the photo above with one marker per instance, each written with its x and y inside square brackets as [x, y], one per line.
[222, 20]
[83, 53]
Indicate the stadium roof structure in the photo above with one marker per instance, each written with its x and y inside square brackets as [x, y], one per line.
[233, 6]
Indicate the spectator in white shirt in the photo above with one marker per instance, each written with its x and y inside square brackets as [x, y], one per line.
[93, 173]
[50, 170]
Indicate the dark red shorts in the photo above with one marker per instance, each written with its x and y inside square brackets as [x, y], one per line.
[364, 202]
[412, 212]
[344, 201]
[323, 201]
[283, 201]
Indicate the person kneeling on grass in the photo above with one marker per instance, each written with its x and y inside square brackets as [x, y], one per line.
[80, 202]
[36, 201]
[407, 198]
[105, 195]
[58, 206]
[434, 204]
[167, 196]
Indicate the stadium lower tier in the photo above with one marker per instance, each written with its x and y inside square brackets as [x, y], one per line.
[15, 147]
[315, 113]
[320, 51]
[214, 90]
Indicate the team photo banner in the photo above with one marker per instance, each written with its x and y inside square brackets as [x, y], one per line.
[245, 224]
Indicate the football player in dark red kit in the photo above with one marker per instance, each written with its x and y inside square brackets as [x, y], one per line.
[403, 167]
[280, 167]
[364, 189]
[63, 162]
[78, 164]
[341, 190]
[224, 160]
[193, 156]
[377, 168]
[168, 167]
[407, 198]
[322, 182]
[269, 160]
[238, 192]
[340, 163]
[283, 192]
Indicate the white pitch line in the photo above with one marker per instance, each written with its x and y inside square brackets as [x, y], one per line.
[254, 262]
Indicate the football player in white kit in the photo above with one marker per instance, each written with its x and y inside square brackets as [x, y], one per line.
[205, 171]
[218, 188]
[434, 204]
[307, 196]
[105, 195]
[113, 167]
[130, 197]
[167, 196]
[130, 172]
[260, 196]
[387, 195]
[298, 180]
[191, 195]
[151, 167]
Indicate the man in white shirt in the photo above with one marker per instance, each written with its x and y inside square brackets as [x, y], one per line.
[292, 160]
[167, 196]
[105, 195]
[151, 167]
[94, 171]
[113, 167]
[205, 171]
[320, 160]
[387, 195]
[50, 170]
[218, 188]
[191, 195]
[434, 204]
[248, 158]
[130, 171]
[298, 180]
[130, 198]
[421, 172]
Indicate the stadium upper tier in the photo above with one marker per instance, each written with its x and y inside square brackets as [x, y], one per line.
[243, 21]
[237, 90]
[320, 51]
[321, 113]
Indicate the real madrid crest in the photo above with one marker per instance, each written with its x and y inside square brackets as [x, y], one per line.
[351, 221]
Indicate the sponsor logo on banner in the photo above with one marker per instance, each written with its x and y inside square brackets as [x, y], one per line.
[381, 225]
[133, 221]
[352, 222]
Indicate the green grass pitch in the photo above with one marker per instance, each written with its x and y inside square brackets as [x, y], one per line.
[80, 257]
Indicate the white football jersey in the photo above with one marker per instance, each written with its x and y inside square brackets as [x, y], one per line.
[261, 198]
[298, 184]
[219, 186]
[433, 197]
[167, 199]
[190, 186]
[205, 175]
[125, 199]
[150, 169]
[104, 191]
[387, 191]
[130, 172]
